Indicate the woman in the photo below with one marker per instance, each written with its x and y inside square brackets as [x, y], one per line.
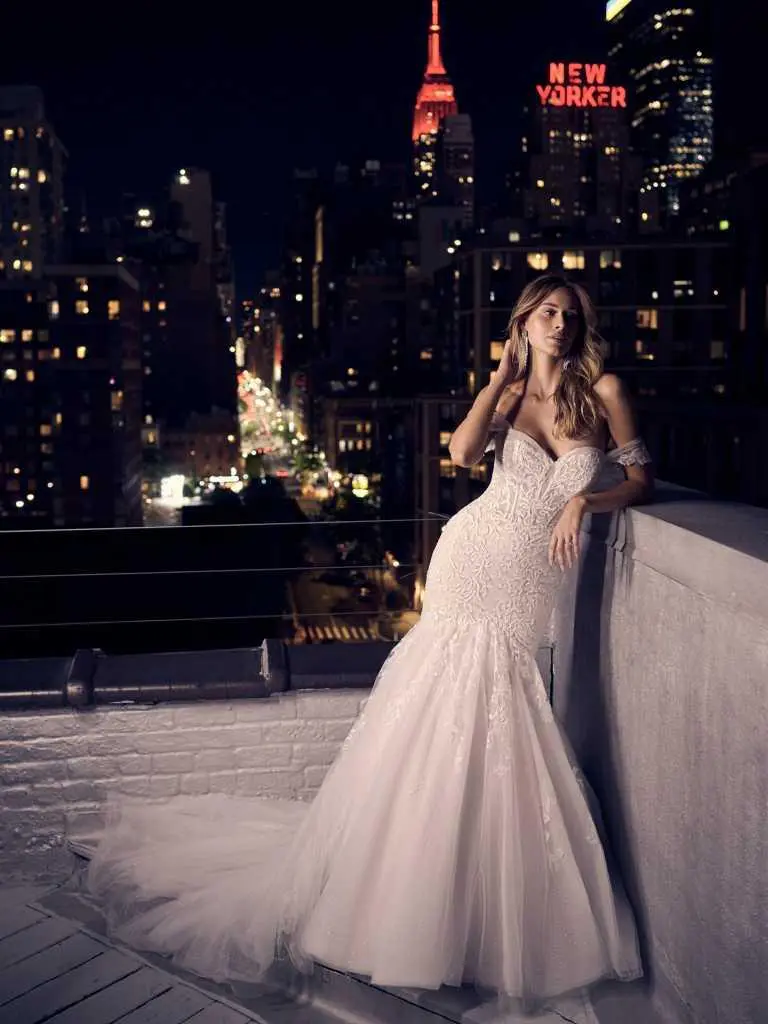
[452, 840]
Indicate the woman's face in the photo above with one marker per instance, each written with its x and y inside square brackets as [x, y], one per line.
[553, 325]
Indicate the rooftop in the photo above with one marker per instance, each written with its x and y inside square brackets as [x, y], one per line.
[656, 657]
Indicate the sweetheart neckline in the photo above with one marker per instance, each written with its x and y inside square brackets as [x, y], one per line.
[554, 460]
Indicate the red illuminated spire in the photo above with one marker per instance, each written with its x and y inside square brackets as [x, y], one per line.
[436, 99]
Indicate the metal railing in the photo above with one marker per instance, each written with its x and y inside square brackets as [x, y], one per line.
[131, 590]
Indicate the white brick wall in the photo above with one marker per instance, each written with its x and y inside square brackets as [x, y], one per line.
[57, 766]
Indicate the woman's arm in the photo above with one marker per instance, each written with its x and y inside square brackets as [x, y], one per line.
[467, 444]
[639, 485]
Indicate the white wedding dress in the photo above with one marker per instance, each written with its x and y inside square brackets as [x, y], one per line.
[453, 840]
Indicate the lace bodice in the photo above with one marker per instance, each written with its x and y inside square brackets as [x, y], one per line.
[491, 561]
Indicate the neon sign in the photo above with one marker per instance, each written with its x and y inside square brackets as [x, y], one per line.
[580, 85]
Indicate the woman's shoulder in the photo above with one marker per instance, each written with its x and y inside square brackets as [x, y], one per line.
[609, 386]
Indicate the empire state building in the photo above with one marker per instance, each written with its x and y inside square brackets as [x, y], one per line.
[435, 102]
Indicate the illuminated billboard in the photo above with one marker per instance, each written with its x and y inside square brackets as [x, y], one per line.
[614, 7]
[580, 85]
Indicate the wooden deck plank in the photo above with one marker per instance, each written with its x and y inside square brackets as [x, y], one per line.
[47, 964]
[17, 918]
[112, 1003]
[55, 995]
[218, 1013]
[42, 935]
[172, 1007]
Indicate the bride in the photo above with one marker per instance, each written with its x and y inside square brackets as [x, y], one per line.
[454, 839]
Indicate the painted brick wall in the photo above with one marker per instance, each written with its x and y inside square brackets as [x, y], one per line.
[57, 766]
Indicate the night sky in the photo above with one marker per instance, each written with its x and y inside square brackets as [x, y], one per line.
[294, 85]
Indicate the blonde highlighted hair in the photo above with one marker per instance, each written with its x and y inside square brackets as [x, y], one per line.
[578, 410]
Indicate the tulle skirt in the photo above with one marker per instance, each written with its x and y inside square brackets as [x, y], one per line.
[453, 841]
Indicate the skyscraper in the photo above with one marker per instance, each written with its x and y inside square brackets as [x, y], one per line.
[583, 177]
[665, 52]
[31, 182]
[435, 101]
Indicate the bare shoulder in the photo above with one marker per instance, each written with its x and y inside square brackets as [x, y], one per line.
[610, 389]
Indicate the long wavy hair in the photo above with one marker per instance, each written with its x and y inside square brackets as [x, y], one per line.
[578, 410]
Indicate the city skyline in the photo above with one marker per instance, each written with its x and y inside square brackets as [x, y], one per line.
[227, 103]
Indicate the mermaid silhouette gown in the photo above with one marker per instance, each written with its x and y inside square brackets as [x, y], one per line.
[453, 840]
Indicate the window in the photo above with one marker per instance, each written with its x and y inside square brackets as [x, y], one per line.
[116, 401]
[342, 445]
[610, 258]
[573, 260]
[717, 350]
[53, 309]
[10, 374]
[27, 266]
[85, 483]
[113, 309]
[497, 349]
[162, 305]
[426, 354]
[538, 260]
[146, 305]
[42, 176]
[7, 336]
[81, 307]
[30, 375]
[81, 352]
[27, 335]
[647, 318]
[447, 468]
[46, 430]
[82, 283]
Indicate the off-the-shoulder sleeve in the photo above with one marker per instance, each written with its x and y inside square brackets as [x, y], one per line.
[497, 428]
[632, 453]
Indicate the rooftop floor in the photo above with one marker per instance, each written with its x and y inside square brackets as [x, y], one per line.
[57, 965]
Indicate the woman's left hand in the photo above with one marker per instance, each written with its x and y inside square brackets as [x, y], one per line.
[564, 542]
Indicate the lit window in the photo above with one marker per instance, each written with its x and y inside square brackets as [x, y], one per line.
[538, 260]
[113, 309]
[57, 419]
[724, 225]
[540, 183]
[8, 134]
[56, 353]
[82, 283]
[30, 375]
[46, 429]
[81, 351]
[23, 172]
[342, 445]
[425, 354]
[497, 348]
[116, 401]
[27, 335]
[16, 264]
[42, 176]
[85, 483]
[162, 305]
[146, 305]
[647, 318]
[27, 266]
[81, 307]
[447, 468]
[6, 336]
[10, 374]
[445, 438]
[610, 258]
[53, 309]
[573, 260]
[299, 297]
